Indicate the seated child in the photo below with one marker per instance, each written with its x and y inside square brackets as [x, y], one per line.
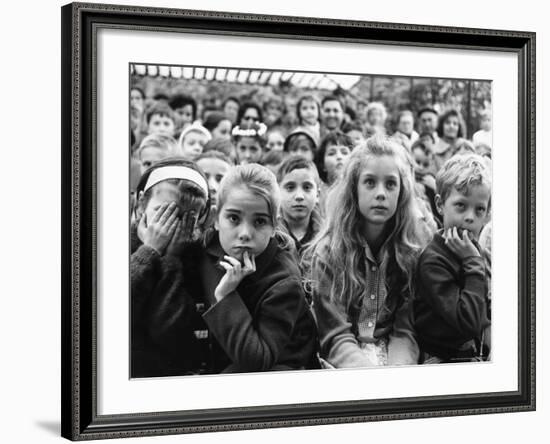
[451, 305]
[299, 183]
[275, 139]
[274, 111]
[153, 149]
[376, 119]
[332, 156]
[257, 309]
[308, 111]
[172, 199]
[215, 166]
[192, 140]
[218, 125]
[424, 176]
[363, 260]
[300, 142]
[404, 129]
[249, 140]
[160, 119]
[185, 111]
[354, 131]
[330, 160]
[484, 135]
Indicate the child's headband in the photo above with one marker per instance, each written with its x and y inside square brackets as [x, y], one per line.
[176, 172]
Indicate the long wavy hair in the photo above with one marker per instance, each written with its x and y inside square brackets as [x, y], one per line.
[339, 246]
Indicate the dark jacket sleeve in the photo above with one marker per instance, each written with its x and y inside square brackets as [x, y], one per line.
[160, 301]
[255, 342]
[465, 309]
[144, 275]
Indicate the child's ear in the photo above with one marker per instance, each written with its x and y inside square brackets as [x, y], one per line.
[439, 204]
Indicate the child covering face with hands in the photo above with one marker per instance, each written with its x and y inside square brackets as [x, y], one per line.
[172, 198]
[257, 309]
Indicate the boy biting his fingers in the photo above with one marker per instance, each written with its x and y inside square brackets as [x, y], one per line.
[452, 302]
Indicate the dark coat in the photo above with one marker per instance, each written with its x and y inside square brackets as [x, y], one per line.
[164, 318]
[451, 304]
[266, 323]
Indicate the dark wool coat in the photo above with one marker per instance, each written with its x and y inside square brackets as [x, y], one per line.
[164, 319]
[266, 323]
[451, 304]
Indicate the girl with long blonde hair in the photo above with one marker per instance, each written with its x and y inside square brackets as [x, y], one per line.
[363, 259]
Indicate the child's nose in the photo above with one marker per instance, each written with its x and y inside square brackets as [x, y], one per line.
[469, 216]
[244, 232]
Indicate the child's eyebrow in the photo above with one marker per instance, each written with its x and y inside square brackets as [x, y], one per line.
[388, 176]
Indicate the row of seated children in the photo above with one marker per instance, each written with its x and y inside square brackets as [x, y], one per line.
[270, 281]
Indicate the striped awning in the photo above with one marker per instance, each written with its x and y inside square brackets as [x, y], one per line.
[306, 80]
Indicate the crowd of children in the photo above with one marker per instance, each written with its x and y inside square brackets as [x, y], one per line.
[335, 244]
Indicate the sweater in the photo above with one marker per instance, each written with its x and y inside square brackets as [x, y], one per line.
[451, 304]
[266, 323]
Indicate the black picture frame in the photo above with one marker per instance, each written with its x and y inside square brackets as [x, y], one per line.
[80, 22]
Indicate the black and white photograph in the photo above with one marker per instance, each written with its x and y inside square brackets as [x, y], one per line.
[293, 220]
[275, 221]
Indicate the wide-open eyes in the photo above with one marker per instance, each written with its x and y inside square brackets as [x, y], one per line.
[261, 222]
[459, 206]
[290, 187]
[369, 182]
[233, 218]
[481, 210]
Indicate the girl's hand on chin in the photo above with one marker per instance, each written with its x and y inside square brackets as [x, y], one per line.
[234, 274]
